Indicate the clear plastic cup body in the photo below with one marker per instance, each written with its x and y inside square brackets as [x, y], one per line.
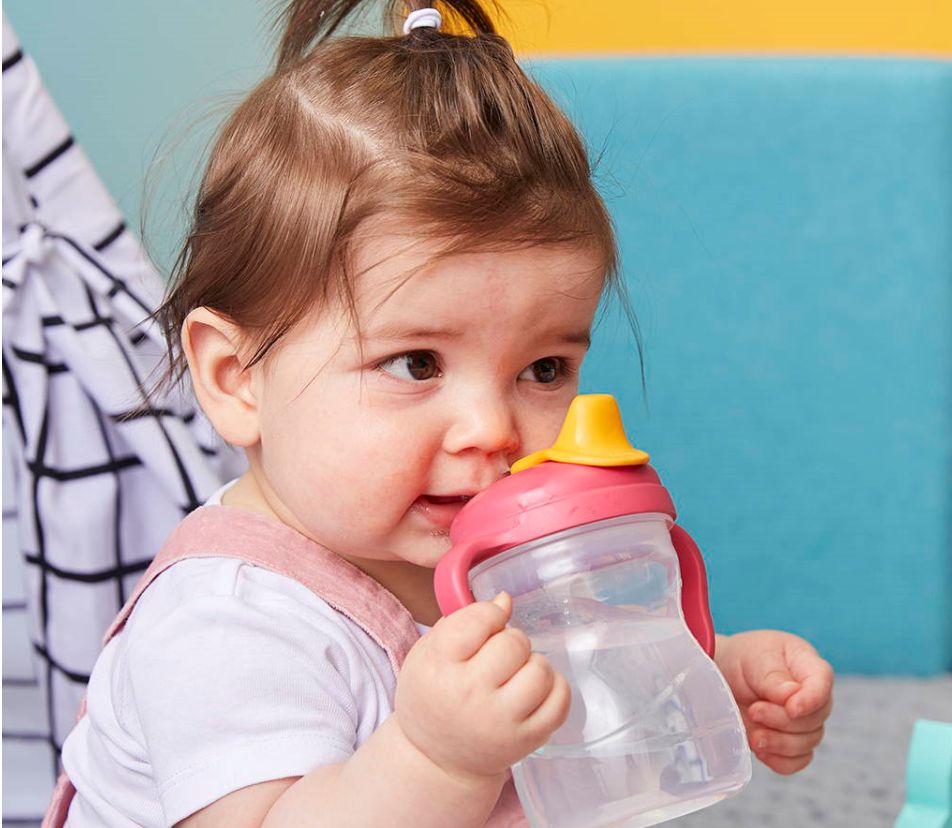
[653, 731]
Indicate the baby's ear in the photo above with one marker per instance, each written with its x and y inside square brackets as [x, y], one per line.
[223, 386]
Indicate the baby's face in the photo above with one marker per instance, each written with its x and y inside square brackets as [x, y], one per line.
[371, 446]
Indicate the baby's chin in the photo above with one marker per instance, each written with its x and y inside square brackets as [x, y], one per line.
[430, 548]
[439, 541]
[424, 548]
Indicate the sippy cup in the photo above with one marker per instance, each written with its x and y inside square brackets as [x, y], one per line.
[614, 593]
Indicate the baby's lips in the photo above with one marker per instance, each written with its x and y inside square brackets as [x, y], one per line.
[441, 510]
[443, 499]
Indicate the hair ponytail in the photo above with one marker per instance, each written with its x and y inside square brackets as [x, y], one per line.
[306, 22]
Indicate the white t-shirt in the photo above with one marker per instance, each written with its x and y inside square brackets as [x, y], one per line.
[225, 675]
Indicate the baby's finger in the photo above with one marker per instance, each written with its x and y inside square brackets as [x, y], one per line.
[785, 765]
[775, 717]
[529, 688]
[811, 721]
[502, 656]
[791, 745]
[554, 710]
[460, 635]
[816, 684]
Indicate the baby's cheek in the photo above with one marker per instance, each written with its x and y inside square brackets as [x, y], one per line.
[535, 438]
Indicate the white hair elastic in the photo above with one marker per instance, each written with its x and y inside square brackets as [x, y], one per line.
[422, 17]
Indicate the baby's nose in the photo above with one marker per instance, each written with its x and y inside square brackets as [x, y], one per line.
[485, 425]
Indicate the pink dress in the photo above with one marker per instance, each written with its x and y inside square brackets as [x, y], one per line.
[211, 532]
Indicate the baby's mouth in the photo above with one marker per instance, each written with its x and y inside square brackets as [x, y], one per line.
[443, 499]
[440, 510]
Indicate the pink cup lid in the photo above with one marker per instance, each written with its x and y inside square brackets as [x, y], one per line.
[541, 501]
[551, 497]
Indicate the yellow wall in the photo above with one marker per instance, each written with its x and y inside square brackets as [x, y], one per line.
[898, 27]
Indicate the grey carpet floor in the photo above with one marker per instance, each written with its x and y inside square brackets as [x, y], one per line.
[857, 777]
[856, 780]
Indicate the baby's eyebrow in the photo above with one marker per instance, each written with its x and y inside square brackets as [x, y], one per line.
[582, 337]
[394, 332]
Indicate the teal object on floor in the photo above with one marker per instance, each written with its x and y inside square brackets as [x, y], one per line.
[928, 777]
[786, 235]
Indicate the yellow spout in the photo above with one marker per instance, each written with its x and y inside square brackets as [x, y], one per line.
[592, 435]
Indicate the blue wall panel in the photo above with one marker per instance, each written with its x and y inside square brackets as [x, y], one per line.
[786, 230]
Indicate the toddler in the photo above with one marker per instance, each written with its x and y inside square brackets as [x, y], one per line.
[385, 298]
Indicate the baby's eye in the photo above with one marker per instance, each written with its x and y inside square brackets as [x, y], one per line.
[413, 365]
[545, 371]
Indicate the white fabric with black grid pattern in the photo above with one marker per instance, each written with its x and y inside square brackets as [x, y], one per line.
[99, 478]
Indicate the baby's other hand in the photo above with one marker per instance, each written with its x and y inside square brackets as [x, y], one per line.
[785, 693]
[473, 697]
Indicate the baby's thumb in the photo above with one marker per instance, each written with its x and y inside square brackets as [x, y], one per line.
[770, 679]
[504, 601]
[778, 686]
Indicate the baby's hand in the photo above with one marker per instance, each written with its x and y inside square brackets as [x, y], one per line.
[473, 697]
[784, 691]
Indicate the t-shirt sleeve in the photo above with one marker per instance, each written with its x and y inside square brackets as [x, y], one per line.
[229, 693]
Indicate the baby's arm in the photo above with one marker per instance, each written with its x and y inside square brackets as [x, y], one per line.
[386, 782]
[471, 700]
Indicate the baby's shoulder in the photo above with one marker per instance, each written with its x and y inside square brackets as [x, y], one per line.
[225, 577]
[231, 579]
[219, 652]
[229, 599]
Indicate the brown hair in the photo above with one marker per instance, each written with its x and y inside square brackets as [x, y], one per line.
[440, 129]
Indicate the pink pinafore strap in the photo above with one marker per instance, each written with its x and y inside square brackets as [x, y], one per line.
[227, 532]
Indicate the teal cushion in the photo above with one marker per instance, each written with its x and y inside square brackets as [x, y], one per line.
[786, 233]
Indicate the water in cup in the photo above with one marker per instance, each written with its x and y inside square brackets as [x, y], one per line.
[653, 731]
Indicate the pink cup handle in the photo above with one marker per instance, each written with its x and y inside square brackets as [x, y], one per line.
[451, 579]
[694, 600]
